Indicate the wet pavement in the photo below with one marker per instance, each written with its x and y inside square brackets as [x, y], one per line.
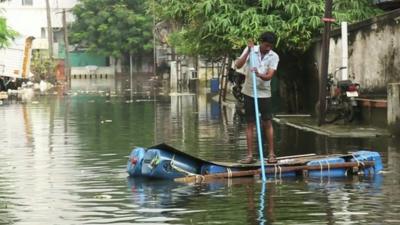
[336, 130]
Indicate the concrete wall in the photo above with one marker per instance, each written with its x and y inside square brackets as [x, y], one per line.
[374, 52]
[93, 70]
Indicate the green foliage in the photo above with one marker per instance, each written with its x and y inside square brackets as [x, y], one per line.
[6, 34]
[215, 27]
[112, 27]
[42, 67]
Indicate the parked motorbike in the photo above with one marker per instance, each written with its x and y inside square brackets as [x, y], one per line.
[237, 79]
[340, 99]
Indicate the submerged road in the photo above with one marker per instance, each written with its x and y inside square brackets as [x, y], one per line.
[63, 162]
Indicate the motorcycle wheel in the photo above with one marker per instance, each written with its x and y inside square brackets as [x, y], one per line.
[331, 115]
[348, 111]
[237, 93]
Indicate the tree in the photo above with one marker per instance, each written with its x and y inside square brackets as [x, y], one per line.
[6, 33]
[42, 67]
[112, 27]
[214, 27]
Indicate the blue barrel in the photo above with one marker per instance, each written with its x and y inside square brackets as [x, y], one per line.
[214, 84]
[215, 110]
[213, 169]
[360, 156]
[338, 172]
[162, 164]
[134, 166]
[277, 174]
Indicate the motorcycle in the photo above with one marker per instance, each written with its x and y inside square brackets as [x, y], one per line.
[341, 99]
[237, 79]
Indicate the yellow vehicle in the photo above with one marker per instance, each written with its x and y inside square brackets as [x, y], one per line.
[15, 62]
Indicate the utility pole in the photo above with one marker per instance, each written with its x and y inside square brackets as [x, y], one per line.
[67, 69]
[49, 30]
[324, 61]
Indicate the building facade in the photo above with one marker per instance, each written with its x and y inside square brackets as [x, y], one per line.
[29, 19]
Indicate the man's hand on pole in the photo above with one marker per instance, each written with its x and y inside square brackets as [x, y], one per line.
[250, 45]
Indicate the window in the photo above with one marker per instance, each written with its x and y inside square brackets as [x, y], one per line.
[27, 2]
[58, 34]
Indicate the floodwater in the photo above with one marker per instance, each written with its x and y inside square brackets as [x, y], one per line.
[63, 157]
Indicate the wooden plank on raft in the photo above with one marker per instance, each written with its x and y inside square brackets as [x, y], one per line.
[257, 163]
[271, 170]
[295, 156]
[305, 160]
[284, 160]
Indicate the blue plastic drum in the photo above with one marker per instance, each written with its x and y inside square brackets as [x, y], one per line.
[166, 165]
[361, 156]
[338, 172]
[134, 166]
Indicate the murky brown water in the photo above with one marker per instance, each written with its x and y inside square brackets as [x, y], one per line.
[63, 162]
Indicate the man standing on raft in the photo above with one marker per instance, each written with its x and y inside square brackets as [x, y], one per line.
[266, 63]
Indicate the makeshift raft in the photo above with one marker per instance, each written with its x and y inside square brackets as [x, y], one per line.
[165, 162]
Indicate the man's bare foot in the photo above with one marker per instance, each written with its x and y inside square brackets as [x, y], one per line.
[272, 159]
[247, 160]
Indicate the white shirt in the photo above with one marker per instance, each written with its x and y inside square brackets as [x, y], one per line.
[270, 61]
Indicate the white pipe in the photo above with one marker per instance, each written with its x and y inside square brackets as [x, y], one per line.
[345, 56]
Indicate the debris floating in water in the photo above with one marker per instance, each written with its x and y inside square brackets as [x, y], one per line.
[103, 196]
[180, 94]
[145, 100]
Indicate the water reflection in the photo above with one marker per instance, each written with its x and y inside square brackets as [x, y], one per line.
[249, 201]
[261, 217]
[95, 85]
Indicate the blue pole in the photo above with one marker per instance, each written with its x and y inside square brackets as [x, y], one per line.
[257, 114]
